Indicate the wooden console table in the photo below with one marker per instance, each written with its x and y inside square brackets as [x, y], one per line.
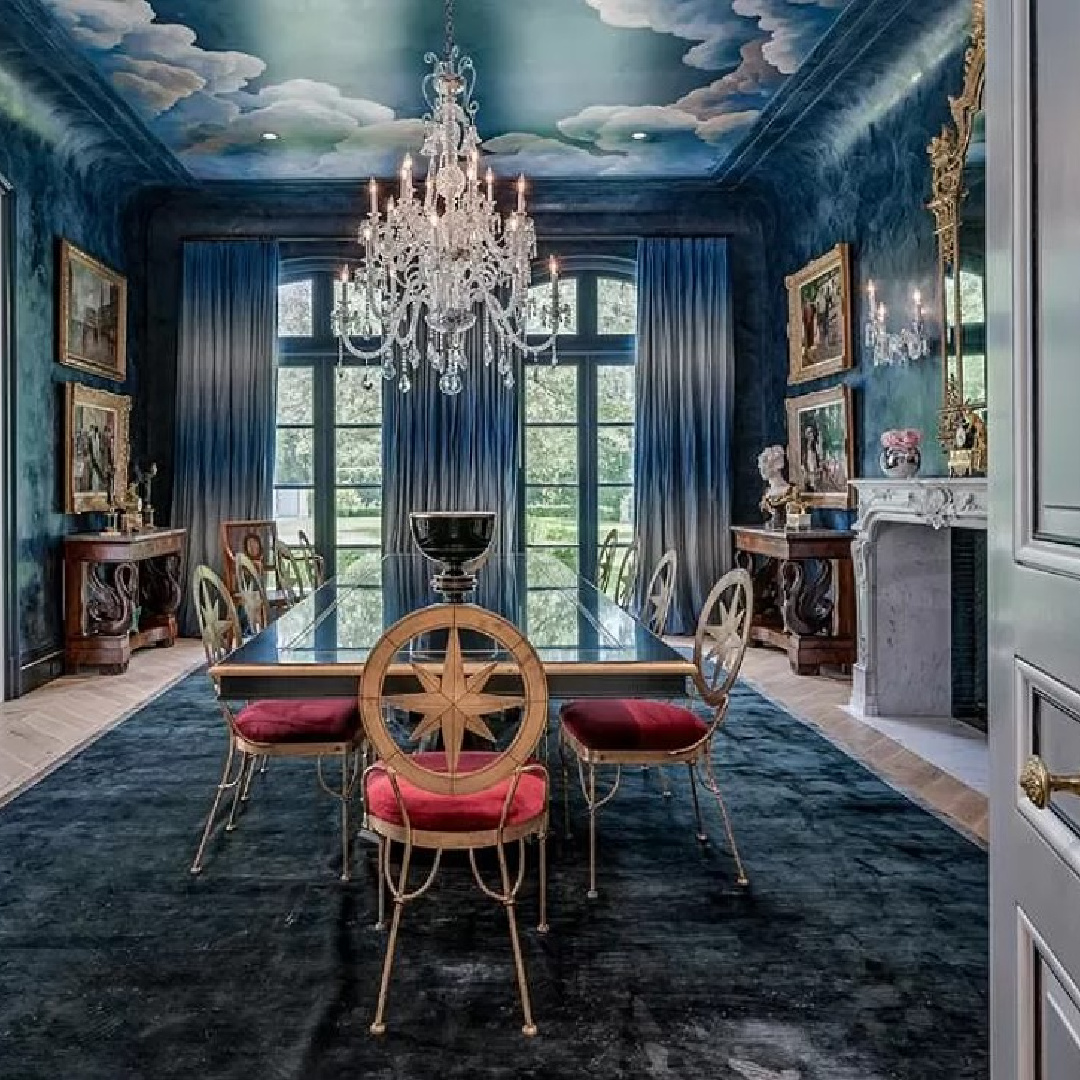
[804, 593]
[121, 593]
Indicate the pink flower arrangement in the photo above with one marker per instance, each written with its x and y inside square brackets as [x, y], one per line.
[901, 439]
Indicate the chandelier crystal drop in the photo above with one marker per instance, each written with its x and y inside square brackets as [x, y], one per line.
[446, 264]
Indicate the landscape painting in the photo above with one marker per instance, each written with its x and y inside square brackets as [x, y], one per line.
[820, 446]
[93, 315]
[819, 317]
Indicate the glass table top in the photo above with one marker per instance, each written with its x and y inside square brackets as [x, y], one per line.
[567, 619]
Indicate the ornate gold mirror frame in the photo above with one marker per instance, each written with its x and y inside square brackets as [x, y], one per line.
[962, 428]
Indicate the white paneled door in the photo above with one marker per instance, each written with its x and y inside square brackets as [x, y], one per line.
[1033, 225]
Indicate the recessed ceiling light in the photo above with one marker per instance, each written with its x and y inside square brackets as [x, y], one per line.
[639, 136]
[270, 136]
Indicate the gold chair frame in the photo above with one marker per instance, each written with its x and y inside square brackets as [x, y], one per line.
[219, 624]
[626, 579]
[656, 603]
[719, 648]
[605, 559]
[315, 562]
[251, 593]
[452, 700]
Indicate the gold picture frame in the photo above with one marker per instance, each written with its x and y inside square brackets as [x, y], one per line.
[96, 448]
[821, 443]
[92, 332]
[819, 317]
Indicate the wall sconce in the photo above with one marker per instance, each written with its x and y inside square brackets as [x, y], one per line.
[911, 343]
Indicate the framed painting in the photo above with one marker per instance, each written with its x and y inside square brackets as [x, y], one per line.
[96, 448]
[821, 446]
[819, 317]
[93, 315]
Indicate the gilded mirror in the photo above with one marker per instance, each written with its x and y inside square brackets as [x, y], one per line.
[958, 158]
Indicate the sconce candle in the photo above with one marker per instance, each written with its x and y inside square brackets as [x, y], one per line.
[910, 343]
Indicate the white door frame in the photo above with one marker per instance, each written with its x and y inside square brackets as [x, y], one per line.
[8, 477]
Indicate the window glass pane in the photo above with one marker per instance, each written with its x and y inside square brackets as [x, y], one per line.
[615, 455]
[551, 394]
[295, 312]
[551, 455]
[293, 511]
[359, 455]
[358, 392]
[295, 395]
[551, 515]
[615, 394]
[361, 321]
[359, 565]
[616, 306]
[294, 460]
[615, 510]
[551, 620]
[975, 379]
[359, 517]
[541, 308]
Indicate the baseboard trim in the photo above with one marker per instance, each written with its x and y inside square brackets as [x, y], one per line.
[41, 670]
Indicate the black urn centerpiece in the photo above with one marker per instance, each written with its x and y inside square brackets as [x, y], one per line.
[456, 540]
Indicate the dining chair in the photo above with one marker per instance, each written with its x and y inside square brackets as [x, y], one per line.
[630, 732]
[251, 592]
[626, 579]
[315, 562]
[327, 727]
[451, 798]
[656, 603]
[605, 559]
[295, 573]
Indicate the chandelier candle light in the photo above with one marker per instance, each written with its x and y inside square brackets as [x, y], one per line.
[449, 258]
[911, 343]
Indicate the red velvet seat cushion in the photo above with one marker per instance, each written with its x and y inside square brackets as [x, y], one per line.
[321, 720]
[632, 725]
[456, 813]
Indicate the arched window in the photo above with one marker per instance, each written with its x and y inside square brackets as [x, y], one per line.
[578, 416]
[328, 461]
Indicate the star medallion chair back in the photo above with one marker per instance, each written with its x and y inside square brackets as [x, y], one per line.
[326, 727]
[605, 560]
[454, 672]
[656, 603]
[617, 733]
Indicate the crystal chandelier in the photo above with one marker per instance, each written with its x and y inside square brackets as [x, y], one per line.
[448, 259]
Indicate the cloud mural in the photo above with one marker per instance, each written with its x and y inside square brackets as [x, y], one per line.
[213, 106]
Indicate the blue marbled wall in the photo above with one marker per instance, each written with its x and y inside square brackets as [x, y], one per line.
[71, 178]
[855, 169]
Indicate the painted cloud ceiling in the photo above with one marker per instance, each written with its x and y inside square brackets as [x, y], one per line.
[565, 87]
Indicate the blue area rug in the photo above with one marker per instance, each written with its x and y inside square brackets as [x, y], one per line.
[858, 953]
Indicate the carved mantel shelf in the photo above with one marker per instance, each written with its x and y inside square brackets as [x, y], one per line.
[903, 590]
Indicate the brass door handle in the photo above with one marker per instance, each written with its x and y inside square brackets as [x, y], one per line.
[1039, 783]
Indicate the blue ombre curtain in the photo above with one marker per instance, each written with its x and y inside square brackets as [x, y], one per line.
[682, 497]
[451, 453]
[225, 389]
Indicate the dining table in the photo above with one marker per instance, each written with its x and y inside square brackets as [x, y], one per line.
[587, 644]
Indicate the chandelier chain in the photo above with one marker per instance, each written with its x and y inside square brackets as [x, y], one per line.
[449, 26]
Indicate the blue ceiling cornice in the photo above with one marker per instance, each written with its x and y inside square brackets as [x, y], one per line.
[881, 31]
[48, 45]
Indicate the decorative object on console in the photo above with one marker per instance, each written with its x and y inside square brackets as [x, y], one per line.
[457, 540]
[120, 594]
[143, 477]
[900, 456]
[779, 492]
[820, 446]
[909, 343]
[449, 258]
[819, 317]
[798, 514]
[95, 448]
[92, 315]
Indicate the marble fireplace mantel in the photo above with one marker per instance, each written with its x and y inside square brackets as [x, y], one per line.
[903, 592]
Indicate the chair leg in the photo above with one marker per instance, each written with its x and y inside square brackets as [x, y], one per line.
[565, 787]
[542, 926]
[223, 785]
[261, 762]
[346, 791]
[378, 1025]
[712, 785]
[508, 896]
[384, 855]
[592, 894]
[701, 835]
[665, 787]
[243, 780]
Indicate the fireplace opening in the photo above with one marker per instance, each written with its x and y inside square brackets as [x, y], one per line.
[969, 627]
